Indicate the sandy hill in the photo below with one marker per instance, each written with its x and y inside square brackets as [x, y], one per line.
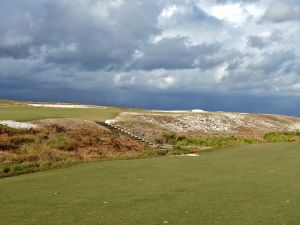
[152, 125]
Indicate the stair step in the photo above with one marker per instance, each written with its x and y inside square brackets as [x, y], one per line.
[118, 128]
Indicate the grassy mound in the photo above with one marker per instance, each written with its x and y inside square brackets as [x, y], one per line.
[25, 151]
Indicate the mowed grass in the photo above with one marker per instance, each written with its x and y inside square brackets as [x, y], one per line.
[254, 184]
[25, 113]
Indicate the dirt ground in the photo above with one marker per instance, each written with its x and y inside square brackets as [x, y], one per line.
[87, 140]
[91, 140]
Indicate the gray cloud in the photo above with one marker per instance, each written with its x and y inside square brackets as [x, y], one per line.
[236, 1]
[63, 34]
[257, 42]
[175, 53]
[122, 52]
[271, 63]
[261, 42]
[279, 12]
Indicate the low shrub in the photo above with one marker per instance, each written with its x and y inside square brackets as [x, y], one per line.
[214, 142]
[173, 138]
[274, 137]
[5, 169]
[61, 142]
[180, 150]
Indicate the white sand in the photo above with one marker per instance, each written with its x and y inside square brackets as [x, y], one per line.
[171, 111]
[17, 125]
[224, 122]
[190, 155]
[295, 126]
[65, 106]
[198, 111]
[110, 121]
[180, 111]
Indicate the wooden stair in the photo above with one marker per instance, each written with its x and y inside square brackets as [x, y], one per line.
[119, 130]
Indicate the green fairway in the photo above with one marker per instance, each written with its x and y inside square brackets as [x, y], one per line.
[254, 184]
[25, 113]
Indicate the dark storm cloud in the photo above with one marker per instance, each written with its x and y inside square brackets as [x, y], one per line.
[62, 34]
[106, 43]
[270, 63]
[14, 51]
[175, 53]
[129, 52]
[57, 32]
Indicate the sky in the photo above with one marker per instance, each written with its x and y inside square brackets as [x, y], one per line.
[217, 55]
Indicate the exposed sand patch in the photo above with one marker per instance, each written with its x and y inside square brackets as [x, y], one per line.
[295, 127]
[189, 155]
[66, 106]
[69, 124]
[17, 125]
[180, 111]
[170, 111]
[110, 121]
[210, 123]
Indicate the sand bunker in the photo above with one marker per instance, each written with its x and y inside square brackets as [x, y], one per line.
[295, 127]
[190, 155]
[65, 106]
[17, 125]
[180, 111]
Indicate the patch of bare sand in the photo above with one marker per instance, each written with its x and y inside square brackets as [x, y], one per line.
[69, 124]
[206, 124]
[66, 106]
[17, 125]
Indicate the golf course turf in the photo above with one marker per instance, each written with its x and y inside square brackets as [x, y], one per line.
[253, 184]
[25, 113]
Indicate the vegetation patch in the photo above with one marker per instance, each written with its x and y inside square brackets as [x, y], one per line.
[61, 142]
[184, 144]
[275, 137]
[53, 146]
[26, 113]
[71, 142]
